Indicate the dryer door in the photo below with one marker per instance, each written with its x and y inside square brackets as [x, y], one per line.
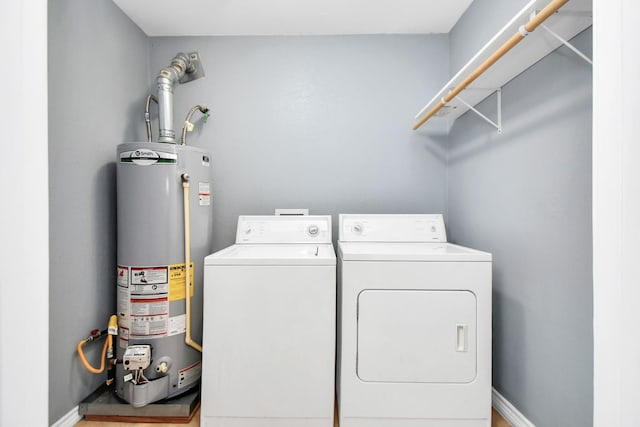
[416, 336]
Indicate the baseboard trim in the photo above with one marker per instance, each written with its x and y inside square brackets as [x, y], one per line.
[69, 419]
[509, 412]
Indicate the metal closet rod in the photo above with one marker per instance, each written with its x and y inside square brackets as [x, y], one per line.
[530, 26]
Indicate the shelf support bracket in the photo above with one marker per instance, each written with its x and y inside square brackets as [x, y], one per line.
[561, 39]
[497, 125]
[567, 44]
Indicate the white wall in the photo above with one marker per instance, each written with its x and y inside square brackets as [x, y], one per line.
[24, 282]
[616, 213]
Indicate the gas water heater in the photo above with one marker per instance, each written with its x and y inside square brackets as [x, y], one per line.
[164, 217]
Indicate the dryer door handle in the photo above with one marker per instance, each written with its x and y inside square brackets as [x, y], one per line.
[461, 338]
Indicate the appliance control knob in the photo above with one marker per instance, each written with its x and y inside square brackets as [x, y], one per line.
[357, 228]
[247, 230]
[313, 230]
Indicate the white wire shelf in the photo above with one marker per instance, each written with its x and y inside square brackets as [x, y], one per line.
[574, 17]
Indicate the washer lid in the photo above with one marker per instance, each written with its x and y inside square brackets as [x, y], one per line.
[373, 251]
[274, 254]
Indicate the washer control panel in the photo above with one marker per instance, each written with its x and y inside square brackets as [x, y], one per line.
[392, 228]
[284, 229]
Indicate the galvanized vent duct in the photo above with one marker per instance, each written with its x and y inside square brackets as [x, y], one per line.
[183, 69]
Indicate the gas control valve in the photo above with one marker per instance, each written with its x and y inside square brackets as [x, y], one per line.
[137, 357]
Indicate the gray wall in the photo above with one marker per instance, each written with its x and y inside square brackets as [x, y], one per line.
[316, 122]
[525, 196]
[98, 76]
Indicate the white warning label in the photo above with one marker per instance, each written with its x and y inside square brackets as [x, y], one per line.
[204, 194]
[189, 375]
[123, 335]
[177, 324]
[149, 326]
[123, 276]
[123, 306]
[149, 317]
[149, 280]
[149, 275]
[147, 307]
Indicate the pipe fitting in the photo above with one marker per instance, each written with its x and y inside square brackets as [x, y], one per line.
[188, 126]
[147, 116]
[181, 62]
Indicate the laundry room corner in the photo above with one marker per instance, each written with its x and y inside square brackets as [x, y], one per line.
[98, 79]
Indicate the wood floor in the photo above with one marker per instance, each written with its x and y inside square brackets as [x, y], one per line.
[496, 421]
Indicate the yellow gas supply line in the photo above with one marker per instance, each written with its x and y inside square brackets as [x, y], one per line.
[107, 348]
[187, 263]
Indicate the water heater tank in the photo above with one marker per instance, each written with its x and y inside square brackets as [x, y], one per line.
[153, 360]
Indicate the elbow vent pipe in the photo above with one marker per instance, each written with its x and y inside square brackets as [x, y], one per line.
[183, 69]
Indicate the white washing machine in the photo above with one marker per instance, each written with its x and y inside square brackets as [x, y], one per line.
[269, 325]
[414, 333]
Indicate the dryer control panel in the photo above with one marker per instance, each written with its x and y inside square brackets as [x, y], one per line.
[392, 228]
[284, 229]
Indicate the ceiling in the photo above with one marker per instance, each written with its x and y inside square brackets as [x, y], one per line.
[292, 17]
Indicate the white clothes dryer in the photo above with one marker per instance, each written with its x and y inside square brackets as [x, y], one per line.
[414, 332]
[269, 325]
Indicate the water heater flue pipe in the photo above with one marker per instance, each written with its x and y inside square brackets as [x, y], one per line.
[183, 69]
